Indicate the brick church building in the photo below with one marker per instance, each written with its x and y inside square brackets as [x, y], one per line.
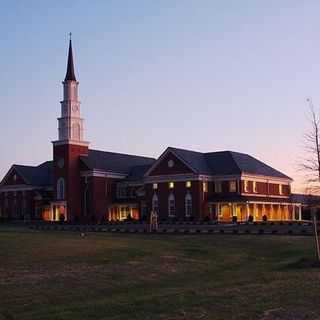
[85, 185]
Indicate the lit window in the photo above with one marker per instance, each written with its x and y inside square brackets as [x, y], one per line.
[155, 186]
[280, 189]
[232, 186]
[171, 185]
[205, 186]
[171, 206]
[246, 186]
[188, 205]
[188, 184]
[255, 189]
[217, 186]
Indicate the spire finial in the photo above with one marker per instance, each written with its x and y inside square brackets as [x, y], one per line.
[70, 68]
[70, 35]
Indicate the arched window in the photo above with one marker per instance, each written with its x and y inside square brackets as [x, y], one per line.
[155, 203]
[188, 205]
[171, 206]
[76, 131]
[60, 189]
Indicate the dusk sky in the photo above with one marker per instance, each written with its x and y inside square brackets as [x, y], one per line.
[201, 75]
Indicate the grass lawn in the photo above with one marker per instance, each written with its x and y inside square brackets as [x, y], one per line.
[59, 275]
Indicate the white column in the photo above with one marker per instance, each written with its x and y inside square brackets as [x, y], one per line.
[247, 211]
[300, 212]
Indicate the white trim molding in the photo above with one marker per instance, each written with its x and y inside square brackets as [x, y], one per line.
[103, 174]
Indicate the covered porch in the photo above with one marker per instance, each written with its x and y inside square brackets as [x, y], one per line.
[123, 211]
[57, 212]
[259, 211]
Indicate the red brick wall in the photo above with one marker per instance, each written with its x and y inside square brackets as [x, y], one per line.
[13, 211]
[162, 168]
[71, 173]
[179, 191]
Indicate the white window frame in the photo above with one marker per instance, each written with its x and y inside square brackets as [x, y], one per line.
[246, 185]
[121, 191]
[217, 187]
[254, 187]
[61, 189]
[188, 205]
[233, 186]
[155, 186]
[155, 203]
[171, 206]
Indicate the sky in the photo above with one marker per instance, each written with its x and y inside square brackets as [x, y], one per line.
[203, 75]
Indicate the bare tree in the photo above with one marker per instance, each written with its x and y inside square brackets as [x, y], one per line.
[310, 166]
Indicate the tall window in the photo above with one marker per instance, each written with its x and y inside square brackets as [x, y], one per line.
[246, 186]
[188, 205]
[171, 206]
[232, 186]
[217, 186]
[155, 203]
[280, 189]
[205, 186]
[255, 189]
[60, 189]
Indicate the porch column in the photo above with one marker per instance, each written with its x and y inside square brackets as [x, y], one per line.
[254, 212]
[217, 211]
[300, 212]
[247, 211]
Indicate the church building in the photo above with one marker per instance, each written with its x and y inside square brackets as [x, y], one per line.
[89, 186]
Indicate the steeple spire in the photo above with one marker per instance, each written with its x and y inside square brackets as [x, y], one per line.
[70, 68]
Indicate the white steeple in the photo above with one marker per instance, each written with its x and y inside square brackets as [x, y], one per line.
[71, 125]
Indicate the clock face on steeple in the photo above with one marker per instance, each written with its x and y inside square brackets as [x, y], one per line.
[74, 108]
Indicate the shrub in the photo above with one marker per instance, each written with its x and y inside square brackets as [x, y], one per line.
[234, 219]
[250, 218]
[206, 219]
[61, 217]
[264, 218]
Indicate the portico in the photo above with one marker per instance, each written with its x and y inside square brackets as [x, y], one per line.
[274, 211]
[58, 211]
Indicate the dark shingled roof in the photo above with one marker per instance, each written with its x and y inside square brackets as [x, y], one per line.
[225, 163]
[115, 162]
[70, 67]
[42, 175]
[137, 173]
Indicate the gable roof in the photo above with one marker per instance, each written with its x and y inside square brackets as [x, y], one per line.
[41, 175]
[114, 162]
[225, 163]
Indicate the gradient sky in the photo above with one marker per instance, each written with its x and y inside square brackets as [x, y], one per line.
[203, 75]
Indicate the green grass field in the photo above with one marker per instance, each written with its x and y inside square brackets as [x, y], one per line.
[59, 275]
